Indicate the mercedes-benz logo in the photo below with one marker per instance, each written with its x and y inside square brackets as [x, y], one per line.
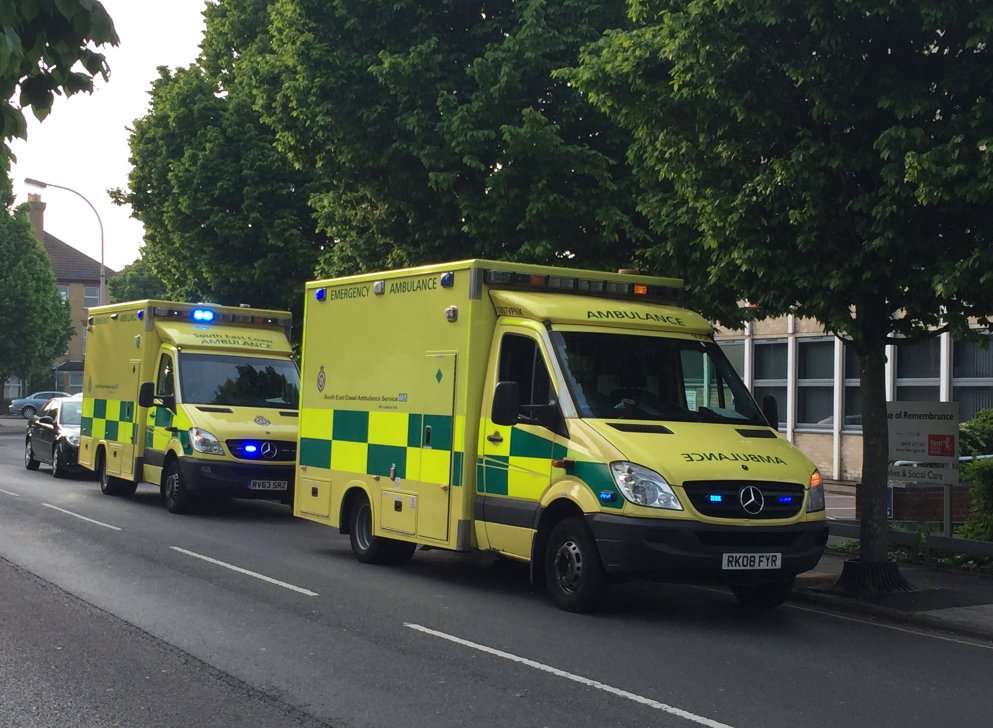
[751, 499]
[268, 450]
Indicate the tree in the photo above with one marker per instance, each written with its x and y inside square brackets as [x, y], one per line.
[36, 322]
[826, 159]
[438, 131]
[46, 48]
[225, 214]
[135, 282]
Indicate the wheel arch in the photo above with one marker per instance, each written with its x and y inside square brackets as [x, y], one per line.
[353, 491]
[548, 516]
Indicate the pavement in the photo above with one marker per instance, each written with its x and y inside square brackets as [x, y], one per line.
[269, 620]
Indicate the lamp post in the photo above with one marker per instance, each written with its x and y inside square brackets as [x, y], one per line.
[103, 270]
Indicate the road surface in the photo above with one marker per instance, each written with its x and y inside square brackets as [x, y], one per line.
[114, 612]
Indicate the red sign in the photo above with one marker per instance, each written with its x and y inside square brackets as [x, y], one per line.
[941, 445]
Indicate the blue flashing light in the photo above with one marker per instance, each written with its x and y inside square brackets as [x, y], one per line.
[320, 294]
[203, 315]
[141, 315]
[607, 496]
[715, 498]
[447, 279]
[251, 449]
[785, 499]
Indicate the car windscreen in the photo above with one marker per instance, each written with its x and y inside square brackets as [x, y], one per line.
[70, 412]
[640, 377]
[238, 381]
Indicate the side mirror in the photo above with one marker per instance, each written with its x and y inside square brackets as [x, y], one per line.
[45, 420]
[506, 403]
[770, 409]
[146, 394]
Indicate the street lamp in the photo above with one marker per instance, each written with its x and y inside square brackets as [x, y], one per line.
[103, 270]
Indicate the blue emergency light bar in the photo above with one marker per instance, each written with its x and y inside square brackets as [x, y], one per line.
[203, 315]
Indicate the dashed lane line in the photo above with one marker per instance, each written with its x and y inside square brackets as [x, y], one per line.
[596, 684]
[81, 517]
[246, 572]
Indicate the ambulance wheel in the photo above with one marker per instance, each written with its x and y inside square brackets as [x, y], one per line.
[109, 485]
[175, 497]
[29, 462]
[370, 549]
[763, 596]
[574, 574]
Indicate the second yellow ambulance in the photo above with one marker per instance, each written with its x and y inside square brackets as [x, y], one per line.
[577, 421]
[197, 399]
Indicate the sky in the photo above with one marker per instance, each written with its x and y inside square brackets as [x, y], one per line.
[83, 144]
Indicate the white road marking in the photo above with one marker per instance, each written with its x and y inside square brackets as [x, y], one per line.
[672, 710]
[894, 627]
[870, 622]
[10, 492]
[82, 518]
[246, 572]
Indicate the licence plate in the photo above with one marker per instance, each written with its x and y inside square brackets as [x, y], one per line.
[738, 562]
[268, 485]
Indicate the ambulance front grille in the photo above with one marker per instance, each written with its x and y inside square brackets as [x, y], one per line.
[724, 498]
[273, 451]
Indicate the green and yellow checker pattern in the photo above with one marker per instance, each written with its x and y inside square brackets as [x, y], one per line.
[420, 447]
[159, 425]
[521, 467]
[112, 420]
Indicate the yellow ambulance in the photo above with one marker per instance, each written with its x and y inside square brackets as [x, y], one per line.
[197, 399]
[579, 421]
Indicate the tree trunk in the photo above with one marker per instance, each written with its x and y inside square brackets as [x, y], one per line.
[873, 571]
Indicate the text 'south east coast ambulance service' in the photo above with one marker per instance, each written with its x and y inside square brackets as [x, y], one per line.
[575, 420]
[200, 400]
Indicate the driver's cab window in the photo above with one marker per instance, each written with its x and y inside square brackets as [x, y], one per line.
[703, 387]
[521, 362]
[165, 383]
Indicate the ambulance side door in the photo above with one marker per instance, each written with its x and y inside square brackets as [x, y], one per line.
[516, 466]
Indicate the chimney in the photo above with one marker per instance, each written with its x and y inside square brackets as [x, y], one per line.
[36, 212]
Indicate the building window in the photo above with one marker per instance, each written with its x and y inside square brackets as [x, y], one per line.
[91, 296]
[75, 382]
[815, 383]
[972, 376]
[770, 375]
[918, 370]
[735, 352]
[853, 391]
[63, 293]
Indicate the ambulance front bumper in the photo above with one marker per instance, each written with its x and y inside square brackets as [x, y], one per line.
[237, 480]
[692, 551]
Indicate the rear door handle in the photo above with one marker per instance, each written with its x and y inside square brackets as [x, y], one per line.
[495, 438]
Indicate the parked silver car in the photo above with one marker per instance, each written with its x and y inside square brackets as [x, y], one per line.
[27, 407]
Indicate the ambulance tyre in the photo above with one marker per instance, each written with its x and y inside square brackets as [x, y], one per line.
[109, 485]
[574, 575]
[370, 549]
[763, 596]
[175, 497]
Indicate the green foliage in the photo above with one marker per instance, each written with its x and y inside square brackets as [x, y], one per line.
[976, 435]
[831, 160]
[438, 131]
[226, 216]
[36, 323]
[47, 48]
[136, 282]
[980, 477]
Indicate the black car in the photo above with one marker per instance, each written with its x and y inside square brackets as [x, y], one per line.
[53, 436]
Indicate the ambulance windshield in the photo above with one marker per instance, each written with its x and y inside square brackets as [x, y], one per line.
[239, 381]
[632, 377]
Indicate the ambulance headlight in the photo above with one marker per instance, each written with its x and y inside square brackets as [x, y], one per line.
[815, 499]
[205, 442]
[644, 487]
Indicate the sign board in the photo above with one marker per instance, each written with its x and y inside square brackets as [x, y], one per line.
[925, 432]
[925, 474]
[926, 435]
